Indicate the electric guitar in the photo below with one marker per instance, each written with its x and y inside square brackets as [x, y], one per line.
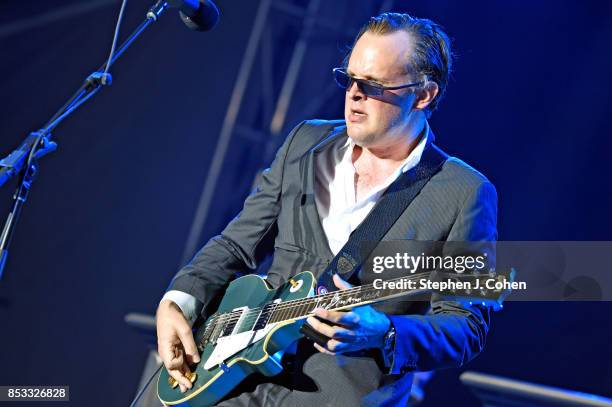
[255, 324]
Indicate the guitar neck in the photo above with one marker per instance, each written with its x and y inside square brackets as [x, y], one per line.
[342, 300]
[467, 288]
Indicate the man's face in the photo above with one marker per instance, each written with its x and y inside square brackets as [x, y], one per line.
[380, 121]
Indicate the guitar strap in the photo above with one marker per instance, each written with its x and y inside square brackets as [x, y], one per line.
[385, 213]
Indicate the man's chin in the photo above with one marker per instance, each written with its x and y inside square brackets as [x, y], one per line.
[359, 136]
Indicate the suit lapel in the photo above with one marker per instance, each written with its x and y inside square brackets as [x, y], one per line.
[390, 206]
[400, 193]
[314, 238]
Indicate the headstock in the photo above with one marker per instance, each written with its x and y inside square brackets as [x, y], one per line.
[489, 289]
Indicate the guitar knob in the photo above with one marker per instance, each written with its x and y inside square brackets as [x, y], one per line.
[192, 376]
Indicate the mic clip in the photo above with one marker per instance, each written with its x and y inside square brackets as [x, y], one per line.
[98, 79]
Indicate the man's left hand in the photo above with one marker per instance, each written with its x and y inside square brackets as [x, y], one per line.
[361, 328]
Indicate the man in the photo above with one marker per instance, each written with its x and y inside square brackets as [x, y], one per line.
[325, 180]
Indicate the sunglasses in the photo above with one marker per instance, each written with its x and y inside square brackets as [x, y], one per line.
[368, 88]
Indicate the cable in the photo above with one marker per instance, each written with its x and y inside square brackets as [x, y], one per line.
[112, 52]
[69, 110]
[86, 88]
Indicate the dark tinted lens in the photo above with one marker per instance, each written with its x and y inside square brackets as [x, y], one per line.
[345, 82]
[342, 78]
[369, 89]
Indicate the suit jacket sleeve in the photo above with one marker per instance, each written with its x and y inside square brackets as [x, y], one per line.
[244, 241]
[451, 334]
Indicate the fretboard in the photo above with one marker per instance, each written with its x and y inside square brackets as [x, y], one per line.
[337, 300]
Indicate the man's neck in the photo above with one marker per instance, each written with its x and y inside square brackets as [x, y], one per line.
[374, 166]
[393, 153]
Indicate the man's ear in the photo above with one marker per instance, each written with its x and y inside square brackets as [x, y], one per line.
[426, 94]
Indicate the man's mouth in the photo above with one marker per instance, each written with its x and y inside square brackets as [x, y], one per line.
[357, 116]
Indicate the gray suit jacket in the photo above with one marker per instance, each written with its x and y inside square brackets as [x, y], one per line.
[280, 216]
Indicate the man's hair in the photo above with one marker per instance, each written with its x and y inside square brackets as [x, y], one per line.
[432, 58]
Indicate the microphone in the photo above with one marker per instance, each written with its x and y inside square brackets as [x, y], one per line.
[198, 15]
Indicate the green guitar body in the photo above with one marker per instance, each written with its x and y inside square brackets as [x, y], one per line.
[262, 356]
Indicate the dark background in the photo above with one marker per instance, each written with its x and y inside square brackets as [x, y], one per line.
[106, 224]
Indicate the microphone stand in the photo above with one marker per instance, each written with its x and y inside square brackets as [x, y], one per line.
[23, 160]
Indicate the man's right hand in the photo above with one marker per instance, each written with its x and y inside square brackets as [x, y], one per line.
[175, 342]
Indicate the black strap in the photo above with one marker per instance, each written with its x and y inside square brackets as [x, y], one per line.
[385, 213]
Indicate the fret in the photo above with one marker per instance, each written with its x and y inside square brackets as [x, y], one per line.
[277, 316]
[308, 306]
[282, 314]
[289, 311]
[305, 308]
[274, 317]
[273, 314]
[295, 311]
[335, 300]
[286, 312]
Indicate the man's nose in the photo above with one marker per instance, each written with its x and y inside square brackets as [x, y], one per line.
[354, 92]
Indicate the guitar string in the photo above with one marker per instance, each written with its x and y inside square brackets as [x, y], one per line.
[365, 289]
[224, 320]
[354, 290]
[228, 318]
[234, 316]
[362, 290]
[321, 298]
[292, 305]
[221, 322]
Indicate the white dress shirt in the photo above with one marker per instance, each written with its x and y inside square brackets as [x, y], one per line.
[335, 196]
[339, 211]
